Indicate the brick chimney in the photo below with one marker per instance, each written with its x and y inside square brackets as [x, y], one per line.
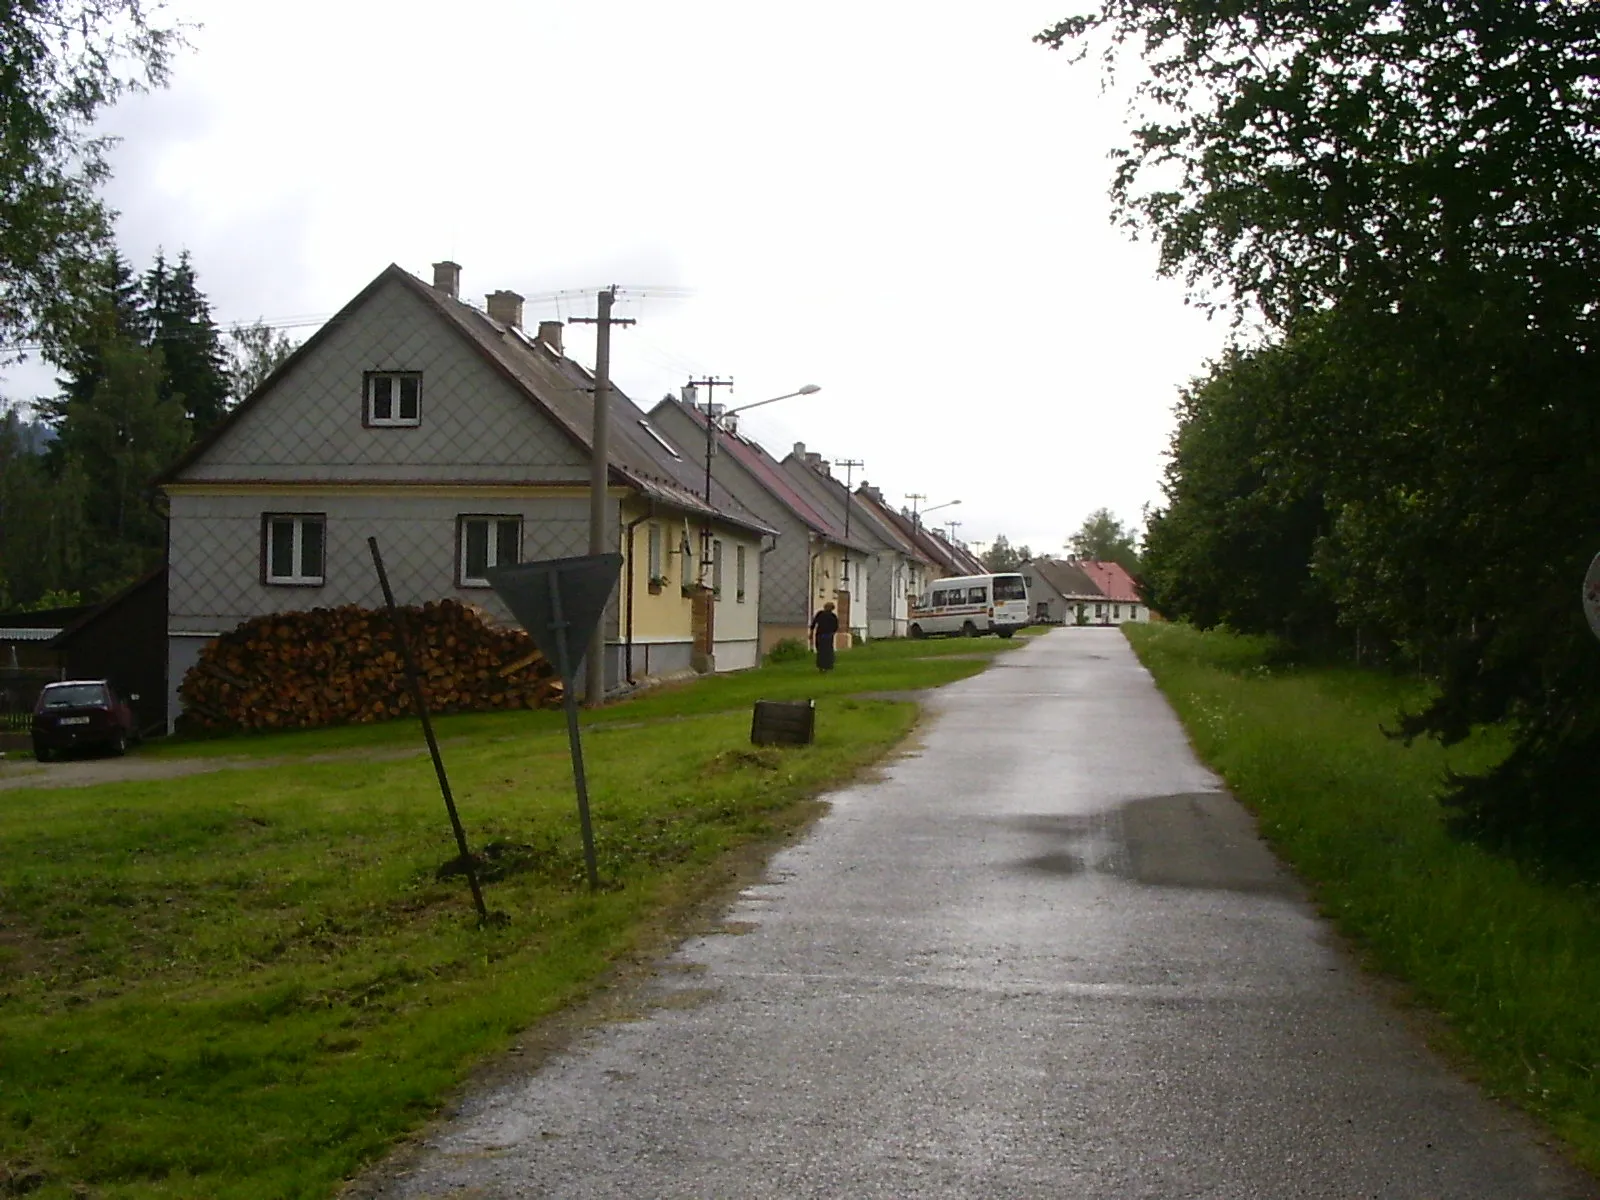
[800, 451]
[814, 461]
[550, 335]
[447, 278]
[506, 307]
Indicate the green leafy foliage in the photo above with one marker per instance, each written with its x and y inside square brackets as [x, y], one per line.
[254, 351]
[1104, 538]
[62, 63]
[1409, 194]
[1003, 556]
[788, 650]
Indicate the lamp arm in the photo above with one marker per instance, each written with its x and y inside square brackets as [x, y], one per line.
[728, 412]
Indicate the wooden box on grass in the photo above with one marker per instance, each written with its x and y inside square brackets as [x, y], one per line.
[784, 723]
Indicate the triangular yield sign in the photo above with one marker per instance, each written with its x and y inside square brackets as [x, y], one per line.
[585, 584]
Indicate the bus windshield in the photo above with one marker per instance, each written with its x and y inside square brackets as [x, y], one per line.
[1009, 587]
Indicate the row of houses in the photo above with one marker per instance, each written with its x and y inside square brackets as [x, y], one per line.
[462, 440]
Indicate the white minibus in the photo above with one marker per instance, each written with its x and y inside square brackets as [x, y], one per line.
[970, 606]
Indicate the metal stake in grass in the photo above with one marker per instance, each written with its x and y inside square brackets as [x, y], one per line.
[414, 680]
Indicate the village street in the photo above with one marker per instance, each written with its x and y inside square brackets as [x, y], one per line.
[1042, 955]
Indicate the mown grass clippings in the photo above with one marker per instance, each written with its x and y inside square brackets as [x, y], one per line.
[249, 983]
[1510, 962]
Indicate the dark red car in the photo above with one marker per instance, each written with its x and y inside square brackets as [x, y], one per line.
[80, 712]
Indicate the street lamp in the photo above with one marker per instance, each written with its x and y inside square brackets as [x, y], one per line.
[915, 516]
[712, 428]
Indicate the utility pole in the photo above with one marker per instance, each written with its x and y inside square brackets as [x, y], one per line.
[914, 497]
[599, 474]
[952, 526]
[849, 465]
[711, 384]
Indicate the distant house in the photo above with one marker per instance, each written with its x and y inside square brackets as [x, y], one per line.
[895, 571]
[1122, 601]
[1082, 592]
[812, 560]
[461, 442]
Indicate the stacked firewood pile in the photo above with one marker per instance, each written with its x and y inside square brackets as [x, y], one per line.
[335, 666]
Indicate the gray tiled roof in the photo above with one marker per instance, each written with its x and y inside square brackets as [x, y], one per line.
[562, 389]
[1066, 578]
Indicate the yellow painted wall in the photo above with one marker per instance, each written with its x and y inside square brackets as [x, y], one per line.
[666, 614]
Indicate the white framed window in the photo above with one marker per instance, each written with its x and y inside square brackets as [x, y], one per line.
[738, 574]
[716, 566]
[292, 549]
[1133, 612]
[486, 541]
[392, 398]
[1116, 612]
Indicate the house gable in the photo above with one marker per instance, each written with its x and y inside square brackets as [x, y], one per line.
[309, 421]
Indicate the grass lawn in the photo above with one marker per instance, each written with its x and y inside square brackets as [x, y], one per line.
[880, 666]
[1511, 963]
[248, 983]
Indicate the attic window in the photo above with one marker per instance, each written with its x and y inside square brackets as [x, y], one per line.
[661, 441]
[392, 398]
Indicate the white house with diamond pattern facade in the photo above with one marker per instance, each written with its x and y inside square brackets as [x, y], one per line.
[459, 442]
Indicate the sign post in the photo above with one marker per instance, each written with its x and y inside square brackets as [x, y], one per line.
[560, 602]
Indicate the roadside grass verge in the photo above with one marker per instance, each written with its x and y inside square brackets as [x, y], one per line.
[879, 666]
[248, 984]
[1510, 962]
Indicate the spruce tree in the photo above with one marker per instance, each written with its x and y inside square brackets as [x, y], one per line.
[180, 326]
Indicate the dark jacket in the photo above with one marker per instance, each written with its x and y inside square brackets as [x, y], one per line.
[824, 625]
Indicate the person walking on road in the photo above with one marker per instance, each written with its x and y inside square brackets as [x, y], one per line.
[823, 628]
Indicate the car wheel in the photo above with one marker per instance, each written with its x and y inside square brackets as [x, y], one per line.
[1005, 633]
[916, 633]
[969, 630]
[41, 753]
[119, 745]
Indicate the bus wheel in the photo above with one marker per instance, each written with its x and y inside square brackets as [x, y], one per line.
[916, 633]
[969, 630]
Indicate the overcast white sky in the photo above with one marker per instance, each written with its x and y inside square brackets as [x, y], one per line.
[901, 202]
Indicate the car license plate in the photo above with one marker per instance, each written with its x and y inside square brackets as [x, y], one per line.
[74, 720]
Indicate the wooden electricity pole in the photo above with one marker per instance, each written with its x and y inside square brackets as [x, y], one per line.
[599, 475]
[711, 384]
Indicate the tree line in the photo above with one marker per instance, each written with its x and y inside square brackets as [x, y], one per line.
[1401, 466]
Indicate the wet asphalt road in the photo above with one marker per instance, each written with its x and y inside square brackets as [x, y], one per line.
[1045, 956]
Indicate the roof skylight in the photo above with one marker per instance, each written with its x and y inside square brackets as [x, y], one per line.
[665, 445]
